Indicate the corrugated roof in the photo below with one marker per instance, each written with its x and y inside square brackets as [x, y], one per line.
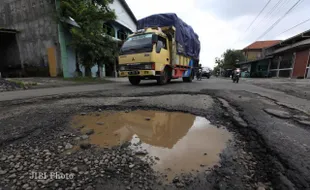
[262, 44]
[293, 39]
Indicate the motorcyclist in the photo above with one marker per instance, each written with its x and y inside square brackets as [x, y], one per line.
[235, 72]
[198, 71]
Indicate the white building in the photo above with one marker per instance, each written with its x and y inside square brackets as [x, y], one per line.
[125, 22]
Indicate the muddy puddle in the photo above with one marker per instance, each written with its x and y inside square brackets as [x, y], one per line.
[179, 142]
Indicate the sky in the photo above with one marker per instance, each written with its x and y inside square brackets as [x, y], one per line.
[222, 24]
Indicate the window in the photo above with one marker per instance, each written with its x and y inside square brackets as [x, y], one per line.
[164, 42]
[287, 61]
[285, 67]
[137, 44]
[121, 34]
[108, 29]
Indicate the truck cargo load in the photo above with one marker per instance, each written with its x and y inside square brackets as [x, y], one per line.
[188, 43]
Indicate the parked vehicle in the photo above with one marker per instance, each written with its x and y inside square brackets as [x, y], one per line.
[163, 48]
[206, 72]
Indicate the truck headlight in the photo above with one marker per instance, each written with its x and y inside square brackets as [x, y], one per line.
[148, 67]
[122, 68]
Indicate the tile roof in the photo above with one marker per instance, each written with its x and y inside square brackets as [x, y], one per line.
[262, 44]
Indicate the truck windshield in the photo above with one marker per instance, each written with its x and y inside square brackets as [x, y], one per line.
[137, 44]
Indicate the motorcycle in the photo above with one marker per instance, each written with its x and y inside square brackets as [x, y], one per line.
[236, 77]
[199, 74]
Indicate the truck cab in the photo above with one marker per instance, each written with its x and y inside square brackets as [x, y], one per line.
[145, 55]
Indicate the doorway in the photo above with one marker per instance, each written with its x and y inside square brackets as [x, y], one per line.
[10, 64]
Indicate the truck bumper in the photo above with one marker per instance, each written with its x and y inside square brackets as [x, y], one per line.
[137, 73]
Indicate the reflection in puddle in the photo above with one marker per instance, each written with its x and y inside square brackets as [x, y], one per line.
[180, 142]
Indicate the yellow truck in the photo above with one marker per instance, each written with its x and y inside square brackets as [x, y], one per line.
[163, 48]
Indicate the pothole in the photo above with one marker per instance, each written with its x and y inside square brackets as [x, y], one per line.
[178, 142]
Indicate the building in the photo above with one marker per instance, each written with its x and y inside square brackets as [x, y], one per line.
[256, 63]
[290, 58]
[33, 43]
[256, 50]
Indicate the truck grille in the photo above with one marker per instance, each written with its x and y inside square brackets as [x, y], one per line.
[135, 67]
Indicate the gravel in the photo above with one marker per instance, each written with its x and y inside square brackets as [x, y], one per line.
[68, 146]
[43, 141]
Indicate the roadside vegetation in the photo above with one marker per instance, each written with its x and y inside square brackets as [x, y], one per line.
[22, 84]
[88, 39]
[228, 60]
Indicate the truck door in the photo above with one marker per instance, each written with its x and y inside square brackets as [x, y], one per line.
[162, 51]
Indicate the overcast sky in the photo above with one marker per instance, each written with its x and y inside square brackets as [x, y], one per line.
[221, 24]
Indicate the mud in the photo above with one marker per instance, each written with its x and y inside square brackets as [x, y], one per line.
[179, 142]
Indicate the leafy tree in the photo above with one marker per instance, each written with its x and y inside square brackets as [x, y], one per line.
[229, 59]
[89, 41]
[218, 63]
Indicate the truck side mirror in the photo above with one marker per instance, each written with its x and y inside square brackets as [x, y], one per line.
[159, 46]
[154, 39]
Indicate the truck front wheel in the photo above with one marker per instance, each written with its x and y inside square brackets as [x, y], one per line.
[164, 78]
[134, 80]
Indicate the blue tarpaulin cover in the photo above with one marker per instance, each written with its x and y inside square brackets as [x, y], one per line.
[187, 40]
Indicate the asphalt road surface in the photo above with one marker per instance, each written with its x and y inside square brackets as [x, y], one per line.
[270, 148]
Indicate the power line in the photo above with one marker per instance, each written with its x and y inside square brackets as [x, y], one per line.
[255, 19]
[295, 26]
[258, 15]
[277, 22]
[275, 9]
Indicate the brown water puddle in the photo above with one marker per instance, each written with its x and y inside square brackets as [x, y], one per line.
[182, 142]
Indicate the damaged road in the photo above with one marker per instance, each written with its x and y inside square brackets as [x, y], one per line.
[265, 151]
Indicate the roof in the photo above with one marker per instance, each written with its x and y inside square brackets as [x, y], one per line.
[127, 8]
[299, 37]
[262, 44]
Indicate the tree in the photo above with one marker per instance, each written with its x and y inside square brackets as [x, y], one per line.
[88, 39]
[229, 59]
[218, 63]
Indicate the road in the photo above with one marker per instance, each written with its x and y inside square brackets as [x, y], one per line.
[270, 126]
